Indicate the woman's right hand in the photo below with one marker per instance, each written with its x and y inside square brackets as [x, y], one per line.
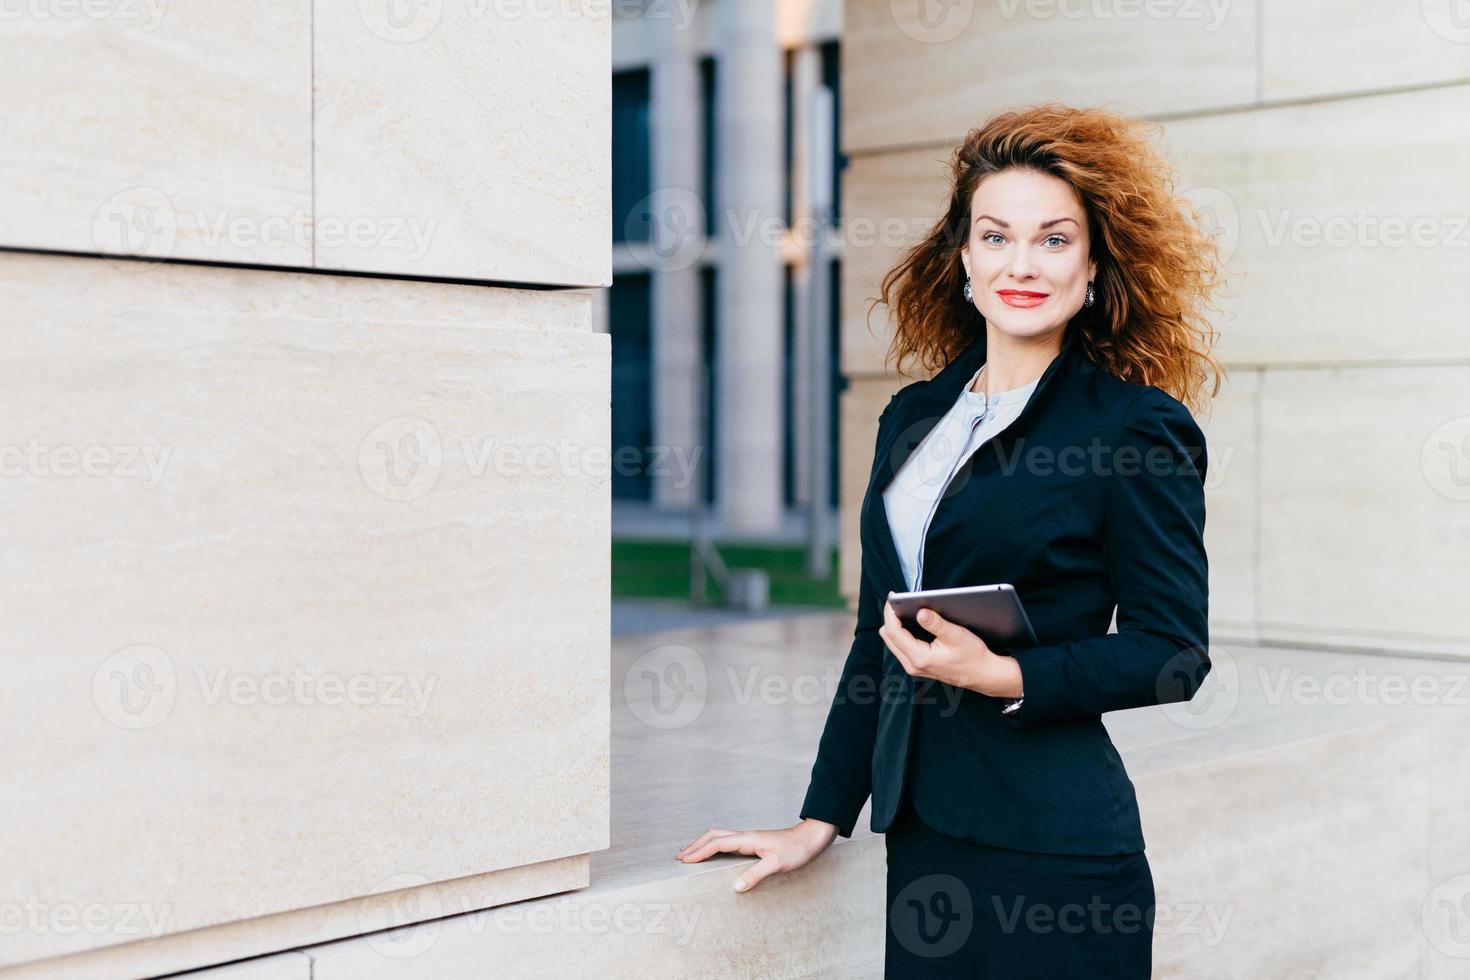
[778, 850]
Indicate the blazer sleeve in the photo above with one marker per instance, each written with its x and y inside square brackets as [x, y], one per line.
[841, 778]
[1153, 539]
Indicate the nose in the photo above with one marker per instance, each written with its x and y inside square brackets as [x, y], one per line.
[1021, 265]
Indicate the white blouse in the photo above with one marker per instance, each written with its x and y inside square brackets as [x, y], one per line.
[914, 493]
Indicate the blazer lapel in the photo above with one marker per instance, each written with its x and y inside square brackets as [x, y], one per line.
[916, 419]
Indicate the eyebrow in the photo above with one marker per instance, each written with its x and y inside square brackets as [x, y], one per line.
[1044, 224]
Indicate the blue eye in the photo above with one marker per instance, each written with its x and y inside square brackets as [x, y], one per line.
[989, 234]
[1062, 237]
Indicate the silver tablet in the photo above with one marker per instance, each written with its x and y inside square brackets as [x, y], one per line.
[993, 612]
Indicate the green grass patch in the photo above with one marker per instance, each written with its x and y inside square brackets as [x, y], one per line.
[653, 569]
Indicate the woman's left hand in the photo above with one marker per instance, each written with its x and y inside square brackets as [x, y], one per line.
[956, 656]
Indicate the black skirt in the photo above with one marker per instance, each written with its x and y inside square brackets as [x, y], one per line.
[957, 908]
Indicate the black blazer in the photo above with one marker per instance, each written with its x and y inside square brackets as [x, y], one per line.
[1092, 497]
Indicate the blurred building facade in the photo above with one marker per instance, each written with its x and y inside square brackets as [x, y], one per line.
[714, 258]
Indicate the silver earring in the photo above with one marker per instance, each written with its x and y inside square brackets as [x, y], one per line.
[1091, 296]
[969, 293]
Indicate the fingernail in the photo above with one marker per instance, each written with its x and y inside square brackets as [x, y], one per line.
[741, 885]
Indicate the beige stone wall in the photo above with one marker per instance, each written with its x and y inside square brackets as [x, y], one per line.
[458, 139]
[1329, 146]
[305, 576]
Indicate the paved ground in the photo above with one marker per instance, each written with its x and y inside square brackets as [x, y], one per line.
[633, 616]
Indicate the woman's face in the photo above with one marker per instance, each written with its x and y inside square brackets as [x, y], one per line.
[1027, 255]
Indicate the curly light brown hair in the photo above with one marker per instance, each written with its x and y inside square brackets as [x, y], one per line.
[1156, 267]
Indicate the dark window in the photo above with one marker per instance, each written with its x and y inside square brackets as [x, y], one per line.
[632, 165]
[832, 78]
[788, 387]
[789, 129]
[707, 189]
[837, 384]
[709, 282]
[629, 321]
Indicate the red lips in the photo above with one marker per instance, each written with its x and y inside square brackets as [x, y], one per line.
[1021, 297]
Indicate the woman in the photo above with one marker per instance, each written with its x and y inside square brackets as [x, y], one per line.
[1062, 291]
